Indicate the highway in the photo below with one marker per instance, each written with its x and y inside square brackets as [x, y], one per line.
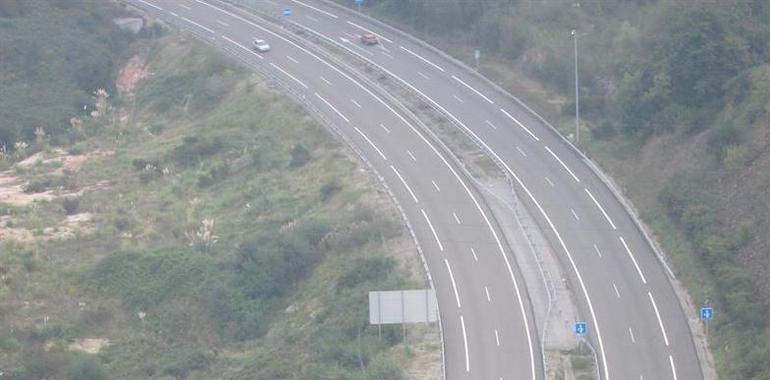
[635, 322]
[487, 324]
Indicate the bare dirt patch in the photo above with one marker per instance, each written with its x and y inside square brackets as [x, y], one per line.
[134, 71]
[89, 345]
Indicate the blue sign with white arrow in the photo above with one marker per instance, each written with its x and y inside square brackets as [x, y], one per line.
[706, 313]
[287, 12]
[581, 328]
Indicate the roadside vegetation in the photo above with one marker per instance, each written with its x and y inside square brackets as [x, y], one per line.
[675, 100]
[193, 225]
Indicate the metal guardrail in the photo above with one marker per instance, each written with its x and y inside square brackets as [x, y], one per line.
[703, 354]
[327, 123]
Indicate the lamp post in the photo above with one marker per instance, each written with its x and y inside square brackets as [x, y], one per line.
[577, 95]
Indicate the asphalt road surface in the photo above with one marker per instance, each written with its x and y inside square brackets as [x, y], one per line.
[634, 319]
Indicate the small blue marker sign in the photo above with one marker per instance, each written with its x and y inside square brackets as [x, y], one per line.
[477, 54]
[287, 12]
[706, 313]
[581, 328]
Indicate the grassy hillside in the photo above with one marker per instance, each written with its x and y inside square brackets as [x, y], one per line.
[675, 99]
[198, 226]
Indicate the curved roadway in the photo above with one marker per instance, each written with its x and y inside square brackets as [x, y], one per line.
[487, 324]
[634, 319]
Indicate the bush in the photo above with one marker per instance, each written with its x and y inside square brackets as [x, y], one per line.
[329, 189]
[299, 156]
[71, 205]
[193, 150]
[722, 137]
[86, 368]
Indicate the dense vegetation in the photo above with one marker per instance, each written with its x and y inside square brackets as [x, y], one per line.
[214, 231]
[53, 56]
[676, 95]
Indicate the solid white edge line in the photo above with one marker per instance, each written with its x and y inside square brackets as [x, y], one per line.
[465, 343]
[606, 216]
[673, 367]
[288, 75]
[332, 107]
[473, 89]
[483, 214]
[454, 285]
[369, 31]
[150, 4]
[421, 58]
[248, 50]
[633, 259]
[562, 164]
[660, 320]
[332, 15]
[520, 124]
[198, 25]
[406, 185]
[433, 230]
[371, 143]
[465, 187]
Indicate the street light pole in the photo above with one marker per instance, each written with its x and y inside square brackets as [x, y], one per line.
[577, 95]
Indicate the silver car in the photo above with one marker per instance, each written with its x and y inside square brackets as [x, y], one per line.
[260, 45]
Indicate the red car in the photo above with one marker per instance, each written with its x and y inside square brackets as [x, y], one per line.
[369, 39]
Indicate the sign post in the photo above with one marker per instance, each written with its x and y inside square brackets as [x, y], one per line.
[581, 328]
[477, 56]
[706, 314]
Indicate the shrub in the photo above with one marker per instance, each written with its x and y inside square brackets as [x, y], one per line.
[193, 150]
[299, 156]
[71, 205]
[86, 368]
[329, 189]
[38, 185]
[204, 181]
[722, 137]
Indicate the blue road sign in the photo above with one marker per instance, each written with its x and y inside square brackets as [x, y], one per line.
[581, 328]
[477, 54]
[287, 12]
[706, 313]
[359, 2]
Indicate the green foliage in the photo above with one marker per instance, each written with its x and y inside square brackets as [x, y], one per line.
[194, 149]
[329, 189]
[149, 279]
[299, 156]
[71, 205]
[45, 81]
[86, 368]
